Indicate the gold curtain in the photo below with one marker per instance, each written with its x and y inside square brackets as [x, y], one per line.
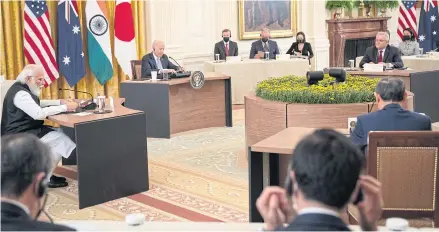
[13, 59]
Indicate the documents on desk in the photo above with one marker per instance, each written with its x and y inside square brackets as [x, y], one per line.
[83, 114]
[234, 58]
[373, 67]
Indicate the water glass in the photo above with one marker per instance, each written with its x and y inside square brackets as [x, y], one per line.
[267, 55]
[352, 64]
[217, 58]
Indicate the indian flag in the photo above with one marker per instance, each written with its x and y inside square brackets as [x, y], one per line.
[99, 46]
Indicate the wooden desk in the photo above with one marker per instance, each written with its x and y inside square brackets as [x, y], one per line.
[278, 150]
[110, 153]
[403, 74]
[174, 106]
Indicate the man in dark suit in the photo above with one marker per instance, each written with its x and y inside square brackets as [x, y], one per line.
[25, 164]
[226, 47]
[389, 95]
[382, 53]
[264, 45]
[157, 60]
[323, 178]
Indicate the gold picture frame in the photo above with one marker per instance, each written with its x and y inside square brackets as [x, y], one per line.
[255, 14]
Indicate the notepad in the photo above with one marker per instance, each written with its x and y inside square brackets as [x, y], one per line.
[83, 114]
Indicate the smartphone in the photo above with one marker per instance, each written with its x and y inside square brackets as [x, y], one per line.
[359, 197]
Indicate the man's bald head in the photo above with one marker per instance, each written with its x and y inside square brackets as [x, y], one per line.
[158, 48]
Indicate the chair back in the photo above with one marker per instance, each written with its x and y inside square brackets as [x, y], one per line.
[136, 69]
[5, 85]
[406, 163]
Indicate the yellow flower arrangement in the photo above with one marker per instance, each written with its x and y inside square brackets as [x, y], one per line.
[293, 89]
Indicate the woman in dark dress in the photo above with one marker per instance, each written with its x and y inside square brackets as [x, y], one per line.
[301, 47]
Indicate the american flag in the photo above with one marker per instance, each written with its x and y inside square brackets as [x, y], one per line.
[407, 17]
[38, 44]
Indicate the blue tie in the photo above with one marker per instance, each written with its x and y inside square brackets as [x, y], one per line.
[159, 64]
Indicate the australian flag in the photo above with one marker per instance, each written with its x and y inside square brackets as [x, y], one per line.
[428, 31]
[70, 54]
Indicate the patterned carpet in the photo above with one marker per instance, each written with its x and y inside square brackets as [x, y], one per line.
[194, 176]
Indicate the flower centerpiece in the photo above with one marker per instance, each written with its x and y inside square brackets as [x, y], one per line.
[293, 89]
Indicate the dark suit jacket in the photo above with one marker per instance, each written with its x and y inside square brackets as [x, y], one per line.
[15, 218]
[149, 64]
[391, 55]
[220, 48]
[391, 118]
[257, 46]
[316, 222]
[306, 51]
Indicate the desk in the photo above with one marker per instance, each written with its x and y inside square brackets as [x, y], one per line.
[277, 149]
[421, 64]
[246, 74]
[415, 63]
[174, 106]
[110, 154]
[402, 74]
[97, 225]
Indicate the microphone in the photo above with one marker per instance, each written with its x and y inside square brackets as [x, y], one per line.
[87, 105]
[181, 68]
[76, 91]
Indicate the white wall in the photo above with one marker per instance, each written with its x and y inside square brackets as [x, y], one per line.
[190, 29]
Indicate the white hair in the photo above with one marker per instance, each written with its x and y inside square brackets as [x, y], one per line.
[385, 34]
[156, 42]
[28, 71]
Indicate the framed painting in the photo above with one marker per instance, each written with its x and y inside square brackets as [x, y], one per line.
[279, 16]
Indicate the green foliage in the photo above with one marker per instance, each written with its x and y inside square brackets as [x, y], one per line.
[388, 4]
[293, 89]
[334, 4]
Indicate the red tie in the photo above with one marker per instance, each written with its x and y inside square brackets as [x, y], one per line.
[227, 49]
[380, 59]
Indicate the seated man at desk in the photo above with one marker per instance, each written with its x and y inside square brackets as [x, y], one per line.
[226, 47]
[157, 60]
[382, 53]
[24, 112]
[264, 45]
[389, 95]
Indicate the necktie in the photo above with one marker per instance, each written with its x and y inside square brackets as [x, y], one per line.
[159, 64]
[265, 47]
[380, 58]
[227, 49]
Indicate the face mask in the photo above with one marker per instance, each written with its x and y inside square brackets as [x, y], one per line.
[226, 39]
[300, 40]
[406, 37]
[264, 40]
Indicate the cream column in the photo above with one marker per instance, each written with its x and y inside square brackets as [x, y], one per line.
[314, 25]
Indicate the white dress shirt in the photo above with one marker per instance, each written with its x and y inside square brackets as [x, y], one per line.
[318, 210]
[384, 52]
[24, 101]
[263, 44]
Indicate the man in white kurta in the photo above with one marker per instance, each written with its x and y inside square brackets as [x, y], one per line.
[23, 112]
